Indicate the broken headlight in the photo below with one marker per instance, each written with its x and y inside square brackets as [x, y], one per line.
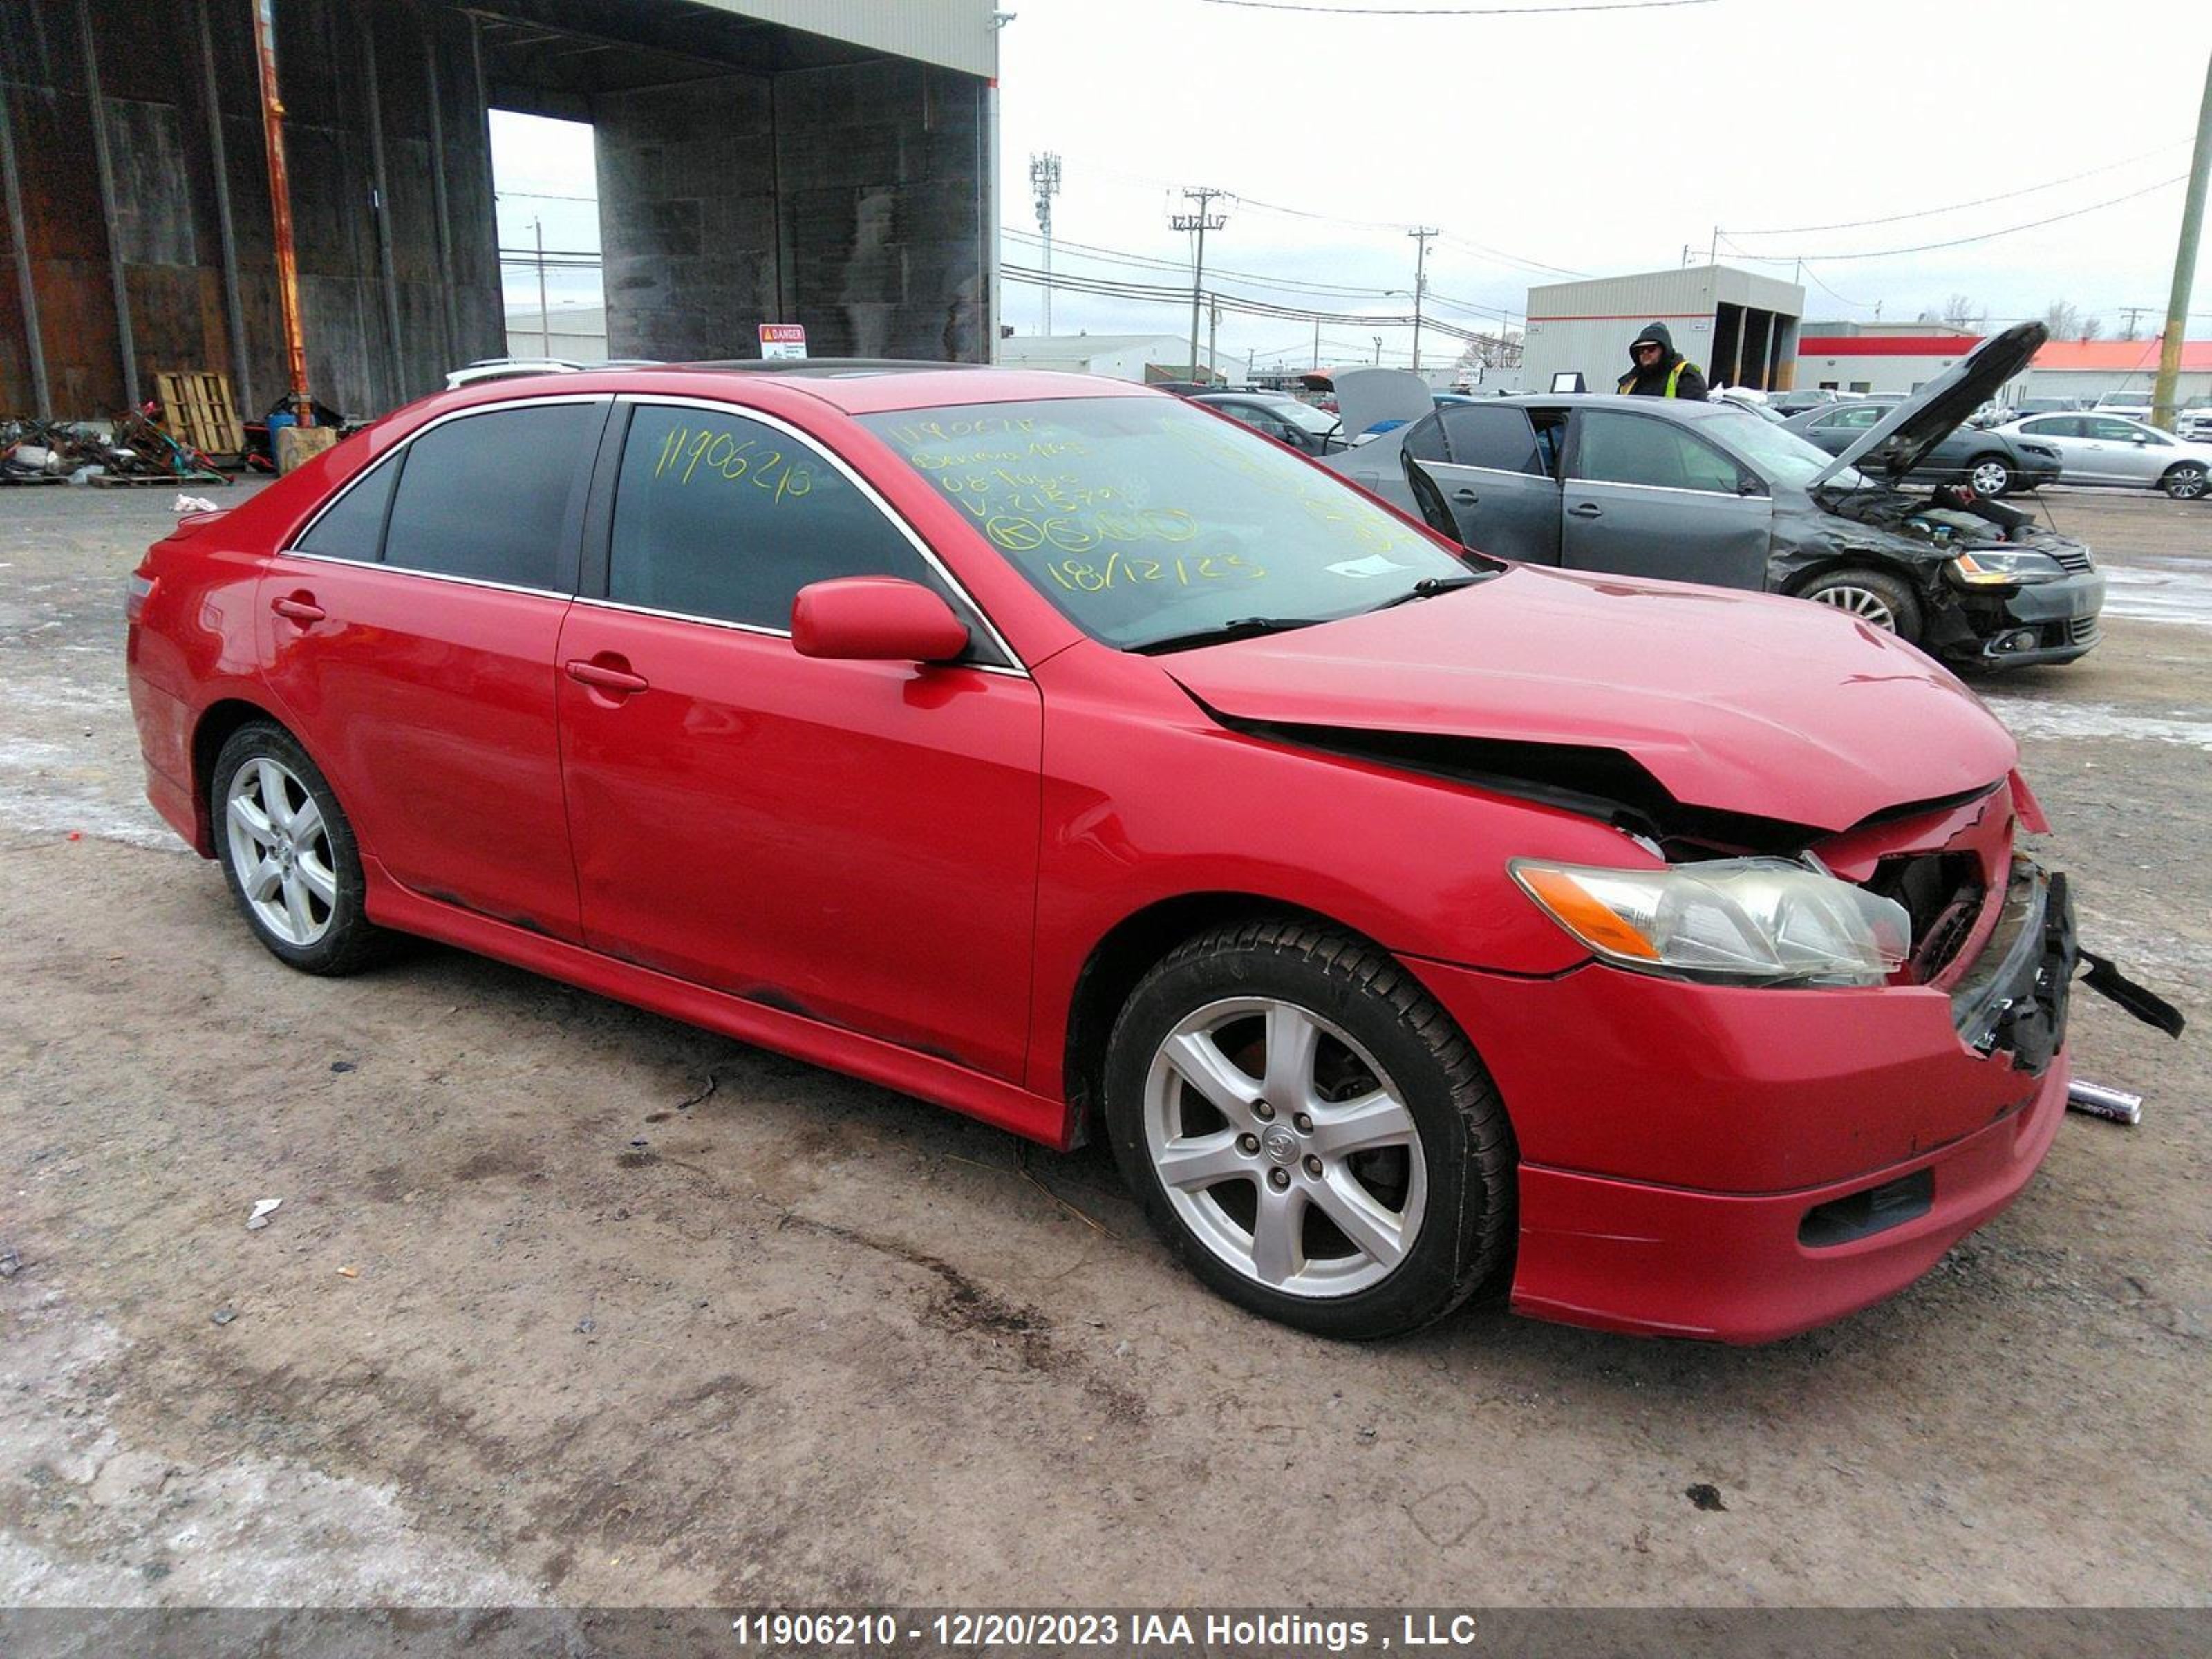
[1993, 569]
[1737, 922]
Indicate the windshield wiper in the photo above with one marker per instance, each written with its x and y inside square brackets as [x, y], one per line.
[1241, 628]
[1429, 586]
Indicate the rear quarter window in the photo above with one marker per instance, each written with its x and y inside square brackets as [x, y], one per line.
[352, 527]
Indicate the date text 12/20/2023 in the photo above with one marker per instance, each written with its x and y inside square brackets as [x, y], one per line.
[1164, 1631]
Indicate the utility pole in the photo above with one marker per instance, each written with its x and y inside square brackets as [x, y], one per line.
[2165, 394]
[1213, 333]
[1420, 287]
[544, 312]
[1713, 257]
[1044, 179]
[1378, 339]
[1317, 345]
[2133, 312]
[1201, 222]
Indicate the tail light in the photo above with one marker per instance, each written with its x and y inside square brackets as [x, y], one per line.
[140, 590]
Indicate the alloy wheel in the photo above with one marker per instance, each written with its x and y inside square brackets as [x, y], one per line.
[2185, 483]
[1284, 1148]
[280, 847]
[1990, 478]
[1863, 603]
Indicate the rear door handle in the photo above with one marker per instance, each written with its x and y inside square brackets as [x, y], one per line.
[606, 677]
[1466, 496]
[1588, 510]
[300, 607]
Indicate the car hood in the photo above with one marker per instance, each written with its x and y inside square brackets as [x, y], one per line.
[1737, 703]
[1908, 433]
[1367, 397]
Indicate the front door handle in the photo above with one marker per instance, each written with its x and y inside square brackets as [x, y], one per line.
[1466, 497]
[607, 672]
[300, 607]
[1588, 510]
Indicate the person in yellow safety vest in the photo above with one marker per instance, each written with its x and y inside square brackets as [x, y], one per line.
[1660, 370]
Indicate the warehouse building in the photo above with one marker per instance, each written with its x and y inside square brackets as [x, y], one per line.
[1139, 358]
[1739, 328]
[825, 162]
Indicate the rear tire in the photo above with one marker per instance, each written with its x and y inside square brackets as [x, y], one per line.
[1875, 598]
[2184, 482]
[1309, 1130]
[289, 854]
[1990, 477]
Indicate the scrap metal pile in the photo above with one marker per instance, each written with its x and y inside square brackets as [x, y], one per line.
[129, 449]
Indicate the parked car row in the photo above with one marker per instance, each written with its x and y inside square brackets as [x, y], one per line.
[1994, 464]
[1408, 920]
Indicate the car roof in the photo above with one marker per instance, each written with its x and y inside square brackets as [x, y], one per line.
[852, 386]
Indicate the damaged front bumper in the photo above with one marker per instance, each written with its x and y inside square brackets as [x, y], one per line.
[2051, 621]
[1741, 1165]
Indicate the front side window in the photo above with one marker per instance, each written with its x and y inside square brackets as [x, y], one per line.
[1630, 449]
[1145, 520]
[491, 496]
[2061, 426]
[724, 518]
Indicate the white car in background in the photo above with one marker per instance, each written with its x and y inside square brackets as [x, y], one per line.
[2096, 448]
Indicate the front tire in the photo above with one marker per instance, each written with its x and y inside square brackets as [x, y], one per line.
[1875, 598]
[289, 854]
[1310, 1131]
[2184, 482]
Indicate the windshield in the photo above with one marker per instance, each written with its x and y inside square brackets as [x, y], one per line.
[1779, 453]
[1145, 519]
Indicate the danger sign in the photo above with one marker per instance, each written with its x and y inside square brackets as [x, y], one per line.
[783, 340]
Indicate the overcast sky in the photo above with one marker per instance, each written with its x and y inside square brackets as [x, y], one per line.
[1597, 143]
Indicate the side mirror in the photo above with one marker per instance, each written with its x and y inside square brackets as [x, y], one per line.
[875, 619]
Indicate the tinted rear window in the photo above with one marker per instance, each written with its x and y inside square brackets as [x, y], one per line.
[353, 527]
[488, 496]
[1498, 438]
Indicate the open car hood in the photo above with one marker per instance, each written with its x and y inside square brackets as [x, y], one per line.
[1365, 397]
[1612, 687]
[1904, 439]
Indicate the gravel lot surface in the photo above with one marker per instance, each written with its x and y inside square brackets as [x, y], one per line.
[567, 1304]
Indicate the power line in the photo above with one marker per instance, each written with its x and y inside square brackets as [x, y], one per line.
[2010, 230]
[1143, 261]
[1979, 201]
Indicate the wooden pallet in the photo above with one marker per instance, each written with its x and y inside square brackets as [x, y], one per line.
[197, 407]
[14, 481]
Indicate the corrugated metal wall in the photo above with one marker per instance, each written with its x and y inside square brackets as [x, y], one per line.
[392, 194]
[814, 181]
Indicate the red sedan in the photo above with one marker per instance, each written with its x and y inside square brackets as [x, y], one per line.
[1063, 753]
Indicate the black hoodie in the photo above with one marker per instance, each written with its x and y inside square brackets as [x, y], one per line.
[1652, 382]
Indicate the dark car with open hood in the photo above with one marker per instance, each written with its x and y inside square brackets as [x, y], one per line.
[1709, 493]
[1409, 922]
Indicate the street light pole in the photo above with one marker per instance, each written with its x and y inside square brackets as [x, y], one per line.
[1201, 222]
[1044, 177]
